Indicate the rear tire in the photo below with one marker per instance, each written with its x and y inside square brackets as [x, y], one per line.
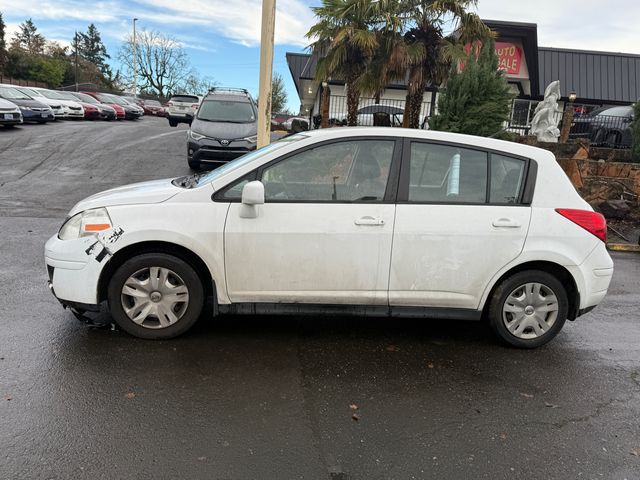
[528, 309]
[173, 123]
[155, 296]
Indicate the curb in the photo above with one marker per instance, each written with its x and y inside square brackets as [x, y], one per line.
[623, 247]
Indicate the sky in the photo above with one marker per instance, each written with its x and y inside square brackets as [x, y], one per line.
[222, 37]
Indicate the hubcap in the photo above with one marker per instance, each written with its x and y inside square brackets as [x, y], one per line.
[155, 297]
[530, 310]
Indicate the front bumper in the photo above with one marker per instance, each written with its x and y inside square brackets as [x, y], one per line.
[15, 119]
[73, 273]
[212, 151]
[34, 116]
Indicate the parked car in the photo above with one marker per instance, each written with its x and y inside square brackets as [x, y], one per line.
[32, 110]
[131, 112]
[10, 114]
[225, 127]
[56, 107]
[133, 104]
[610, 126]
[296, 124]
[106, 112]
[181, 109]
[91, 111]
[153, 107]
[107, 100]
[368, 221]
[72, 108]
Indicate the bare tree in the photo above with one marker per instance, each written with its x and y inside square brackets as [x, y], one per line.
[162, 63]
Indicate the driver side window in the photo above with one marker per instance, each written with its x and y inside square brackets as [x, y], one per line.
[349, 171]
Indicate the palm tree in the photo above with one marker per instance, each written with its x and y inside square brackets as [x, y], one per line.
[427, 20]
[344, 42]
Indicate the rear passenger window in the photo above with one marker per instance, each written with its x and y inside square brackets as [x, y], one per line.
[447, 174]
[507, 179]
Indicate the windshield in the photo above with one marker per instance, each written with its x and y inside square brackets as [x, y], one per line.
[28, 93]
[85, 98]
[153, 103]
[249, 157]
[116, 100]
[52, 95]
[67, 96]
[230, 111]
[184, 99]
[12, 93]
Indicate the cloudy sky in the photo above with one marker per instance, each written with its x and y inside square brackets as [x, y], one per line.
[222, 36]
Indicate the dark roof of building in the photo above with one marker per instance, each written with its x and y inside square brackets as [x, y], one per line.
[600, 76]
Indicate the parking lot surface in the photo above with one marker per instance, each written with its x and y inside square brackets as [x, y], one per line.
[284, 397]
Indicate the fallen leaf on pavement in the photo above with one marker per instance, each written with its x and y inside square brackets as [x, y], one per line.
[430, 365]
[355, 417]
[526, 395]
[550, 405]
[392, 348]
[636, 452]
[130, 395]
[353, 406]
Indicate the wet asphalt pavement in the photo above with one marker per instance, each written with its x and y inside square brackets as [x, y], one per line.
[282, 397]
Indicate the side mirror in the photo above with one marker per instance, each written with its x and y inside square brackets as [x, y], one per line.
[252, 196]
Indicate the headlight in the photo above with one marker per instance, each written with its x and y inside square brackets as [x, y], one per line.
[252, 139]
[196, 136]
[25, 108]
[84, 224]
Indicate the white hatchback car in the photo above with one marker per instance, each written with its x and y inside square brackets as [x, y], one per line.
[368, 221]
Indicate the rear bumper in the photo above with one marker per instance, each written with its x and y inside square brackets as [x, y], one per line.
[593, 277]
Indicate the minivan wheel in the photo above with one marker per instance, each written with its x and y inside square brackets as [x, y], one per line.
[155, 296]
[528, 309]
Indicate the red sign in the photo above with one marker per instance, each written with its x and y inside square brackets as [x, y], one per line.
[509, 58]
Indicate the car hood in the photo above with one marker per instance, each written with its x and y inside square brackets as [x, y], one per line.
[155, 191]
[7, 104]
[28, 103]
[228, 131]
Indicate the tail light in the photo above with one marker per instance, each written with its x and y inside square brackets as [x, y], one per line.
[194, 105]
[592, 222]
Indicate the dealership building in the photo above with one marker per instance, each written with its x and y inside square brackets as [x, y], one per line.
[597, 78]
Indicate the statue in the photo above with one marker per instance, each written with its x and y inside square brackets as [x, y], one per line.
[545, 120]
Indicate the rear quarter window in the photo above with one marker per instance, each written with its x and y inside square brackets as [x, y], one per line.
[184, 99]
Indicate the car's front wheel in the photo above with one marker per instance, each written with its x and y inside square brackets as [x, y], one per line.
[155, 296]
[528, 309]
[173, 123]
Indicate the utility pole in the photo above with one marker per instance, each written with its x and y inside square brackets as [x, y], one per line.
[266, 67]
[135, 56]
[76, 74]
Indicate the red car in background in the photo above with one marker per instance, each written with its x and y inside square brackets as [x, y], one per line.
[107, 101]
[153, 107]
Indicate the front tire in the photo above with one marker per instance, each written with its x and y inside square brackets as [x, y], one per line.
[528, 309]
[155, 296]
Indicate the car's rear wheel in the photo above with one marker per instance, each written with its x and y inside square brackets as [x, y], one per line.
[155, 296]
[528, 309]
[173, 123]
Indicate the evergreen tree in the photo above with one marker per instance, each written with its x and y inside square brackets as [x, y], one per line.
[28, 38]
[91, 48]
[3, 43]
[278, 94]
[476, 99]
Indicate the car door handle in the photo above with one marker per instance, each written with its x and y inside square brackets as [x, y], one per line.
[506, 223]
[367, 220]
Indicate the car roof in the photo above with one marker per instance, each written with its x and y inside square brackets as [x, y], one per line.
[458, 138]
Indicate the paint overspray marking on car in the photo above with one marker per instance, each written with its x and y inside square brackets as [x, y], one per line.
[103, 240]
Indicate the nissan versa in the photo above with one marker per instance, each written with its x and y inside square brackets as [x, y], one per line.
[370, 221]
